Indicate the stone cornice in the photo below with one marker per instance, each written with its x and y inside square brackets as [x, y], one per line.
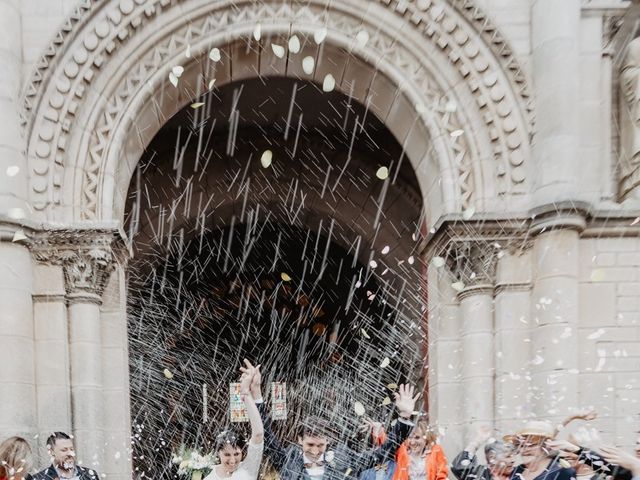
[515, 231]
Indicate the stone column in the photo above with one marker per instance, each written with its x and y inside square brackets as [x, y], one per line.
[556, 80]
[53, 392]
[115, 379]
[17, 415]
[87, 259]
[512, 342]
[554, 314]
[475, 269]
[445, 391]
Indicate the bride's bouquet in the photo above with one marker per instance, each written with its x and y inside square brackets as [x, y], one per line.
[192, 464]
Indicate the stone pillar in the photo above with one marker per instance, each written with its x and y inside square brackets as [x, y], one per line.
[445, 391]
[17, 387]
[556, 80]
[475, 269]
[554, 314]
[53, 392]
[87, 259]
[512, 342]
[115, 379]
[17, 381]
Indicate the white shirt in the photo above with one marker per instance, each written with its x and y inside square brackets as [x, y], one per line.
[248, 468]
[315, 473]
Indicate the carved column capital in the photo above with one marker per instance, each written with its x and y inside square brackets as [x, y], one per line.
[87, 259]
[473, 264]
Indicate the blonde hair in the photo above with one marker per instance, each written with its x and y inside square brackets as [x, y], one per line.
[15, 458]
[429, 434]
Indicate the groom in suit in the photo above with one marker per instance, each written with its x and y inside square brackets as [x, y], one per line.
[309, 459]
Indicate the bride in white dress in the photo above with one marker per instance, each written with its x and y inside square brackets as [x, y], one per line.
[229, 445]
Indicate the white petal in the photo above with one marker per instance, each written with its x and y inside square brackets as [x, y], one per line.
[214, 54]
[468, 213]
[308, 63]
[13, 170]
[178, 70]
[359, 408]
[457, 286]
[386, 249]
[173, 79]
[278, 50]
[385, 363]
[382, 173]
[438, 262]
[257, 32]
[266, 158]
[362, 37]
[294, 44]
[329, 83]
[320, 35]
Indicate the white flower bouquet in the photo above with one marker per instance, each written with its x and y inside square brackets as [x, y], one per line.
[192, 464]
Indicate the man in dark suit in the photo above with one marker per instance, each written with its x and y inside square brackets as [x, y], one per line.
[63, 461]
[310, 459]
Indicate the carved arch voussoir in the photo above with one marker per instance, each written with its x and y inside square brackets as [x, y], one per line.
[497, 91]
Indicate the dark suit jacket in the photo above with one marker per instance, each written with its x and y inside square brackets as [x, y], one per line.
[346, 463]
[51, 474]
[554, 471]
[465, 467]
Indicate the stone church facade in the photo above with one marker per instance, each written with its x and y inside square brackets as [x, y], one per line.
[519, 118]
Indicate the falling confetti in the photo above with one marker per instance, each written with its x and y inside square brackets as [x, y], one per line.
[308, 64]
[362, 37]
[196, 105]
[285, 277]
[320, 35]
[278, 50]
[329, 83]
[359, 408]
[167, 373]
[385, 363]
[385, 250]
[294, 44]
[266, 158]
[438, 262]
[173, 79]
[468, 213]
[257, 32]
[215, 55]
[457, 286]
[382, 173]
[12, 170]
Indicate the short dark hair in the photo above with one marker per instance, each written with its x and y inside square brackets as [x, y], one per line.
[51, 441]
[230, 438]
[494, 449]
[316, 427]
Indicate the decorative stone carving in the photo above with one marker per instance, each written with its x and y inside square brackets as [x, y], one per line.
[629, 165]
[474, 262]
[61, 84]
[87, 258]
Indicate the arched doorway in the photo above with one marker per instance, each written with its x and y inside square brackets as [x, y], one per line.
[305, 264]
[448, 88]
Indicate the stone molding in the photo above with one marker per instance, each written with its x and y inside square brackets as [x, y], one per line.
[87, 259]
[473, 290]
[82, 52]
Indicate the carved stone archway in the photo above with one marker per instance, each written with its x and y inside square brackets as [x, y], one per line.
[458, 103]
[436, 72]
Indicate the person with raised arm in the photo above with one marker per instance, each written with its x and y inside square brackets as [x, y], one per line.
[229, 445]
[310, 459]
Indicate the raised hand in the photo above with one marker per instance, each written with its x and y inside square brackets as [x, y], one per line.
[620, 457]
[405, 400]
[256, 379]
[587, 414]
[371, 427]
[562, 445]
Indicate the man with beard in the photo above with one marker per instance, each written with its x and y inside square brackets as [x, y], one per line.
[63, 461]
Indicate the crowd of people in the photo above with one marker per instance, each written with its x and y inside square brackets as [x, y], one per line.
[404, 451]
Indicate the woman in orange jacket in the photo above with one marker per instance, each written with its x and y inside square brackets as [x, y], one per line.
[420, 457]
